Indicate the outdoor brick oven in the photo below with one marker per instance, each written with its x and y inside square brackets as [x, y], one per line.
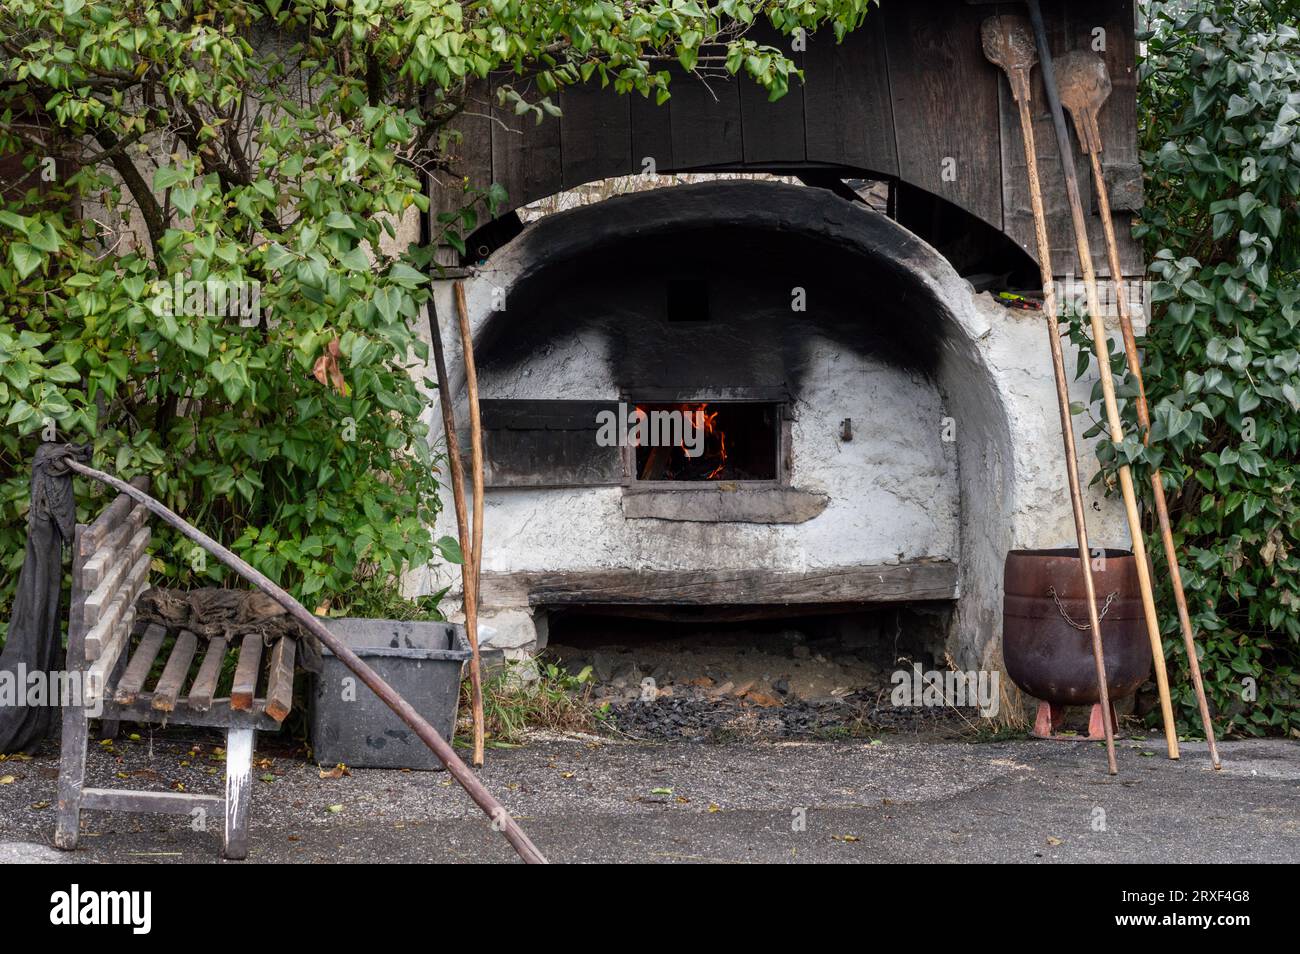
[889, 434]
[890, 431]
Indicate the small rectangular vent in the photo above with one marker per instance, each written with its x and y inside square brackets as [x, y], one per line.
[688, 299]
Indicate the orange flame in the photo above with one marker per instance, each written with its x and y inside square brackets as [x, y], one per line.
[698, 415]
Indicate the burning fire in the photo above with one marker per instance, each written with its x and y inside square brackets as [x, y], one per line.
[700, 418]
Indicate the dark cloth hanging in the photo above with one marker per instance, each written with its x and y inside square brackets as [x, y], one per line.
[211, 612]
[33, 643]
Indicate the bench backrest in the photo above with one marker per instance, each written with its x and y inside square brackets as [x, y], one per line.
[110, 569]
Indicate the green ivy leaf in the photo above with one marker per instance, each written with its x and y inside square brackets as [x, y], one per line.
[25, 258]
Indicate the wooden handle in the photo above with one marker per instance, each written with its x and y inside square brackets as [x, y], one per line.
[1065, 153]
[475, 557]
[468, 578]
[1144, 420]
[1067, 423]
[1115, 429]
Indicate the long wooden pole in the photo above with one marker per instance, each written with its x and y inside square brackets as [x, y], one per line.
[1092, 145]
[468, 574]
[1099, 342]
[501, 820]
[1018, 77]
[476, 464]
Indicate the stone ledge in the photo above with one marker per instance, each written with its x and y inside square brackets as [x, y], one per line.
[725, 503]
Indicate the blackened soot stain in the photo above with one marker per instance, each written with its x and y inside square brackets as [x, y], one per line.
[754, 336]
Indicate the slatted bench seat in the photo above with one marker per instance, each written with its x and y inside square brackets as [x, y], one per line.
[110, 570]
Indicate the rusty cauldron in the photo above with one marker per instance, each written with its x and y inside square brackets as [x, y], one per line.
[1046, 637]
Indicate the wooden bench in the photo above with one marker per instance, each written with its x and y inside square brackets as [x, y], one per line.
[116, 657]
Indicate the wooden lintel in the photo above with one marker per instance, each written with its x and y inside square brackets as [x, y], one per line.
[886, 583]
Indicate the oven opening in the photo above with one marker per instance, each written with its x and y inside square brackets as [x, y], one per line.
[707, 440]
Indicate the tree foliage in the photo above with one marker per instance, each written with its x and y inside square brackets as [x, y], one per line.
[275, 146]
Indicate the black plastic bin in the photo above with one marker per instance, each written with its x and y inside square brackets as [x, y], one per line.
[421, 660]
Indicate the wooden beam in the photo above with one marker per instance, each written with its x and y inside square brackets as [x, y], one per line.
[279, 685]
[164, 803]
[247, 670]
[205, 683]
[219, 716]
[141, 663]
[109, 629]
[927, 580]
[711, 504]
[118, 577]
[94, 534]
[174, 673]
[99, 564]
[239, 792]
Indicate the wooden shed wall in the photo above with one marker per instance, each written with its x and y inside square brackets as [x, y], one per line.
[898, 98]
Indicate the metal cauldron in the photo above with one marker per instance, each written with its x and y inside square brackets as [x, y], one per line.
[1046, 639]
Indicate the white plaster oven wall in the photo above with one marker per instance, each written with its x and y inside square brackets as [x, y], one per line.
[892, 489]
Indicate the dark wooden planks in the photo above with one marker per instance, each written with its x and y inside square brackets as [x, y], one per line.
[205, 683]
[930, 580]
[849, 116]
[526, 155]
[541, 458]
[1075, 27]
[551, 415]
[706, 121]
[140, 664]
[901, 96]
[535, 443]
[773, 131]
[1018, 217]
[279, 685]
[469, 157]
[652, 135]
[174, 673]
[244, 688]
[945, 103]
[595, 134]
[1108, 24]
